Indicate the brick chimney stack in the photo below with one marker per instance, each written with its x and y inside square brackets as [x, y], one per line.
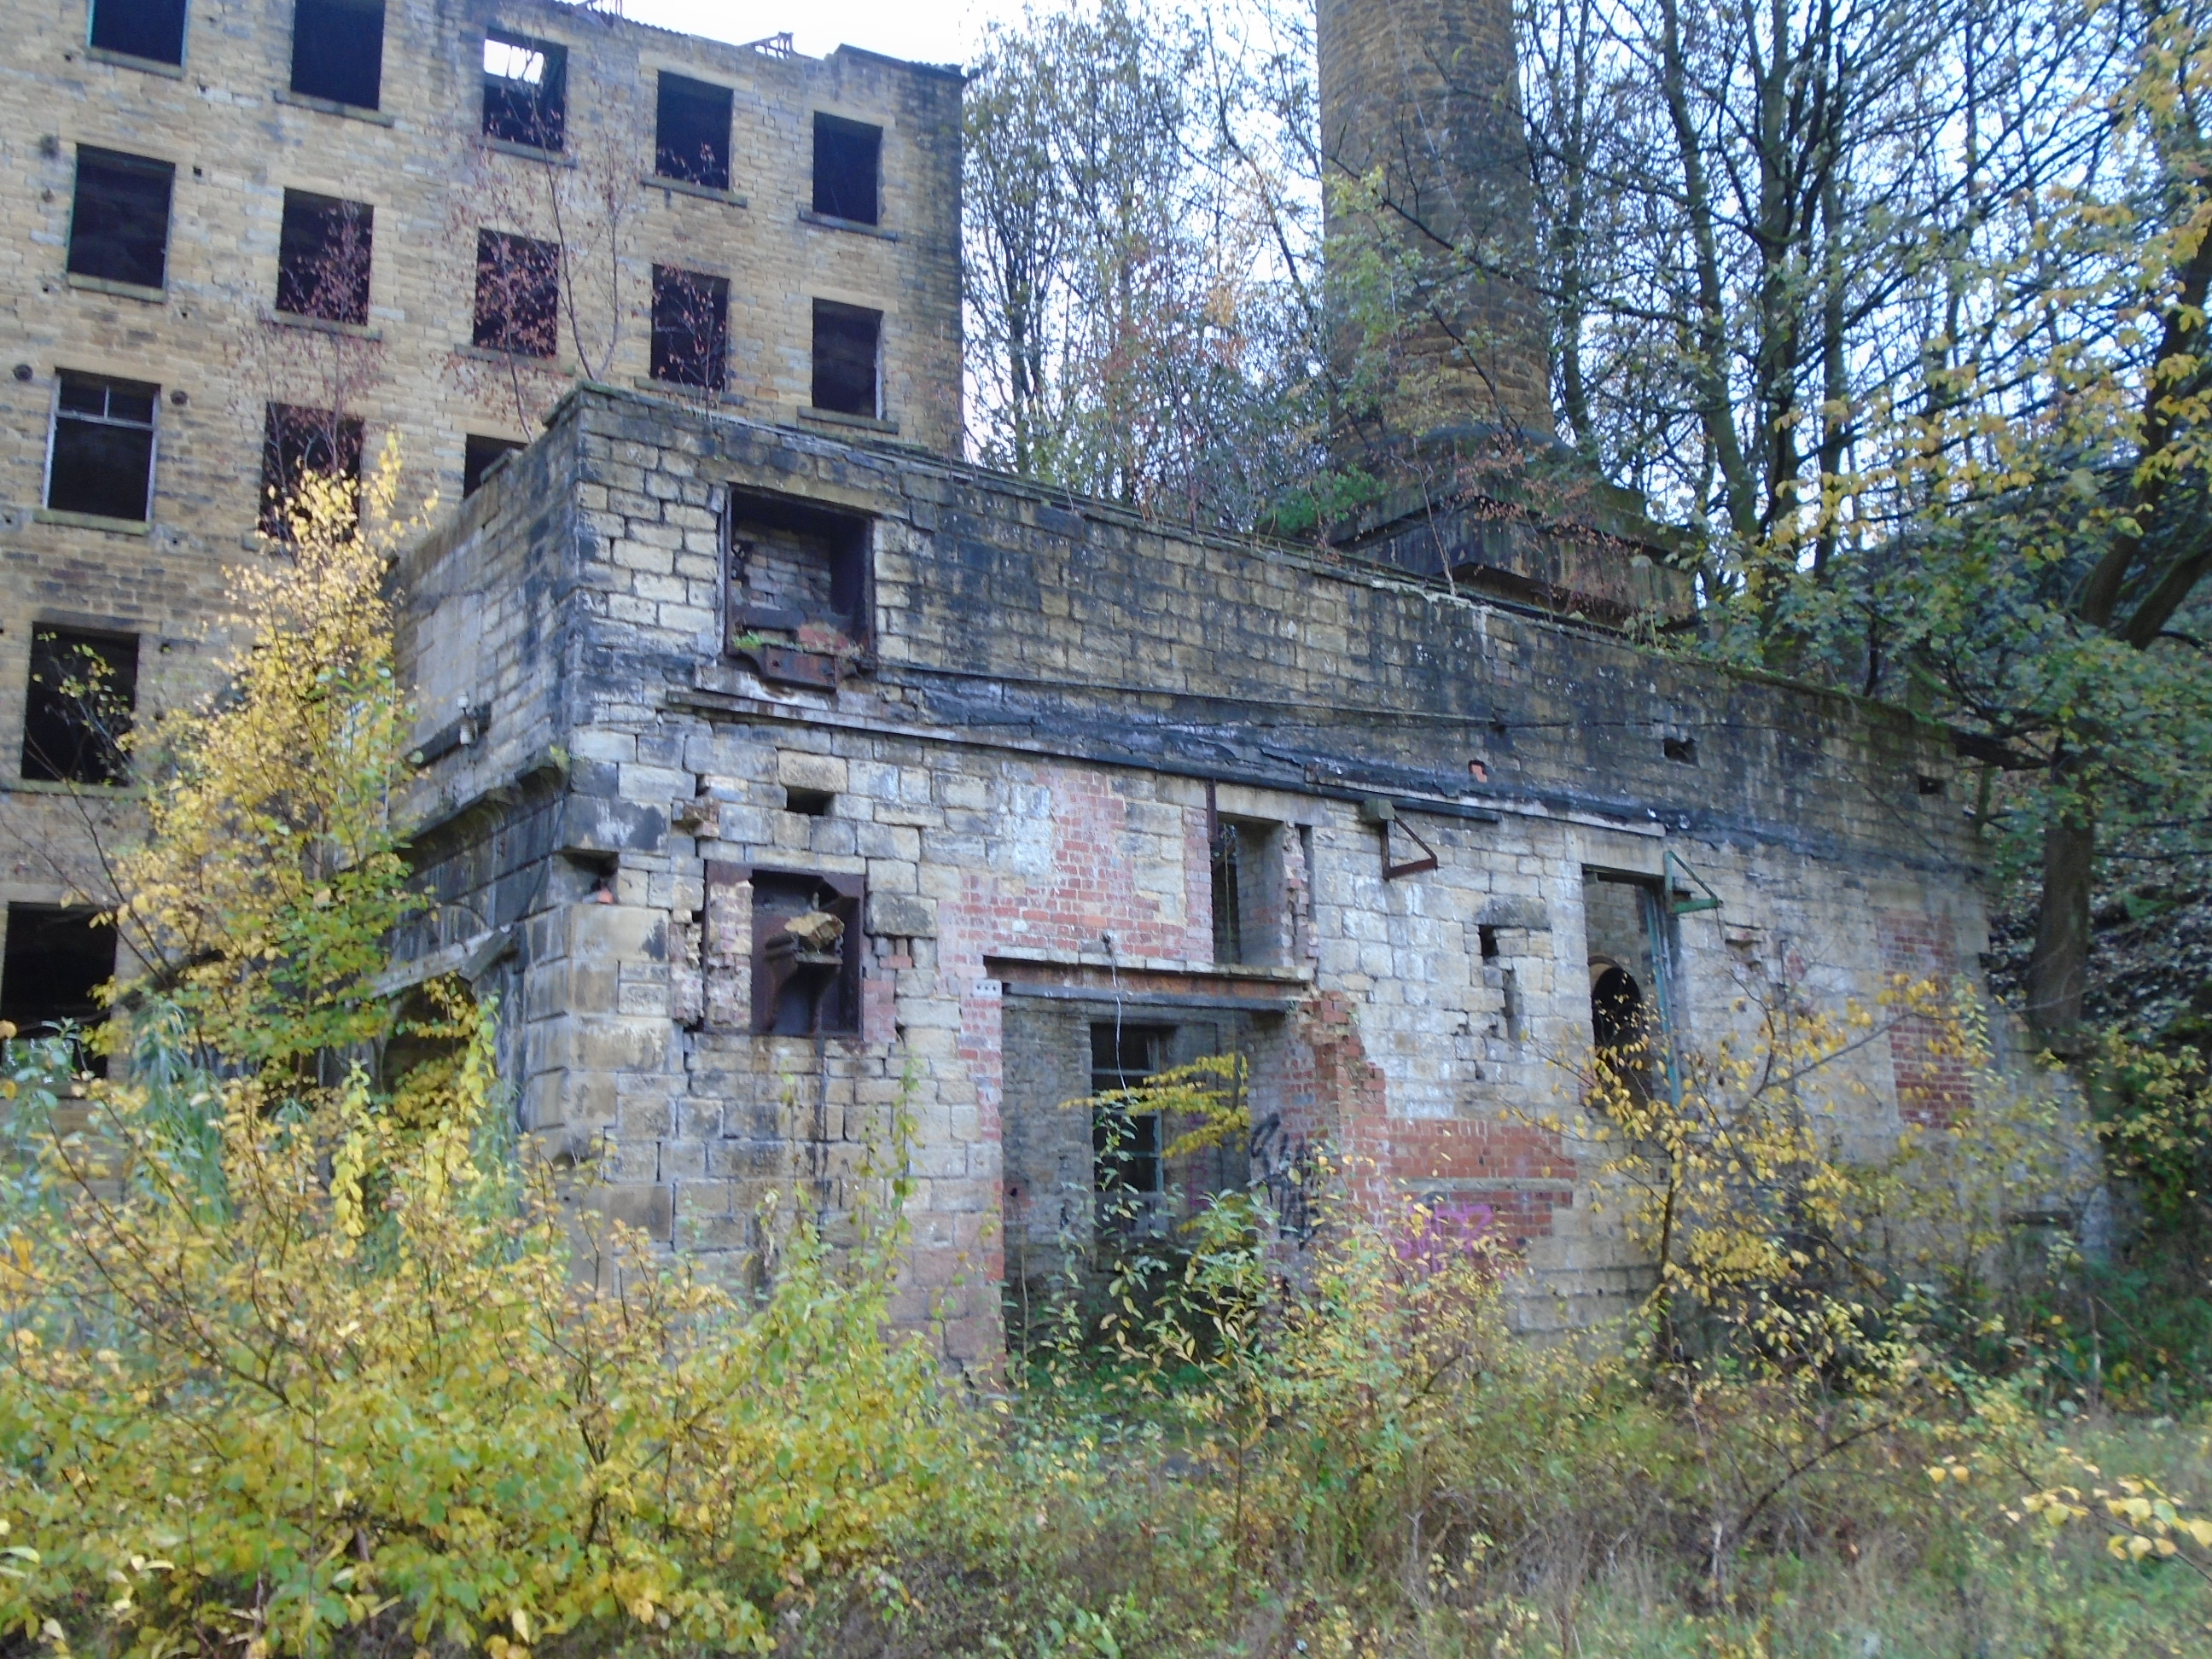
[1425, 93]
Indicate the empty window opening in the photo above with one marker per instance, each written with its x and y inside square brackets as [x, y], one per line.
[152, 29]
[100, 456]
[55, 961]
[526, 91]
[798, 574]
[690, 327]
[297, 443]
[1247, 888]
[78, 705]
[1684, 750]
[119, 224]
[1930, 786]
[846, 339]
[1125, 1145]
[1486, 936]
[808, 803]
[478, 453]
[1627, 927]
[806, 954]
[323, 258]
[338, 51]
[847, 167]
[517, 295]
[691, 139]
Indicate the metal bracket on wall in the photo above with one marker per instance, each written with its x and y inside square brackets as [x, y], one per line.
[1383, 813]
[1679, 877]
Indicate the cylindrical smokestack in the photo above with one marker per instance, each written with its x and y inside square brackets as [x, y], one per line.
[1421, 99]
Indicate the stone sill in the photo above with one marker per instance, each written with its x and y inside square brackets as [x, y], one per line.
[829, 222]
[838, 418]
[704, 192]
[687, 393]
[476, 354]
[1292, 974]
[321, 324]
[49, 787]
[128, 60]
[91, 521]
[331, 107]
[152, 296]
[529, 152]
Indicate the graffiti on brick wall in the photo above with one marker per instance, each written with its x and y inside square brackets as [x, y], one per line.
[1288, 1174]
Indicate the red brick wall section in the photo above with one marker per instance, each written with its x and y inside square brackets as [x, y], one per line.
[1933, 1087]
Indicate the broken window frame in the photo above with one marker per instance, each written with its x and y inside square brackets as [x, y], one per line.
[1656, 991]
[850, 538]
[79, 698]
[839, 363]
[31, 980]
[707, 163]
[682, 351]
[292, 436]
[1144, 1152]
[324, 253]
[348, 71]
[848, 169]
[536, 117]
[144, 29]
[480, 452]
[517, 273]
[68, 426]
[838, 995]
[138, 256]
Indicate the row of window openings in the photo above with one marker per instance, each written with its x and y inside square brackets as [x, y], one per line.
[338, 54]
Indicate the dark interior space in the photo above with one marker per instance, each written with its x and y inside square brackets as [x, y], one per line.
[103, 457]
[847, 168]
[692, 132]
[323, 258]
[55, 959]
[338, 51]
[152, 29]
[526, 91]
[846, 338]
[478, 452]
[1125, 1145]
[296, 442]
[797, 570]
[806, 986]
[517, 295]
[690, 327]
[119, 224]
[77, 707]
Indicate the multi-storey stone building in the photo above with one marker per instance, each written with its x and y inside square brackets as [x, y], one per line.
[779, 771]
[244, 236]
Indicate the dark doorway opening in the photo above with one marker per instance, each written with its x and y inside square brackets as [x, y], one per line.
[55, 960]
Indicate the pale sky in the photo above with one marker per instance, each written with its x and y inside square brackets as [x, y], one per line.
[927, 31]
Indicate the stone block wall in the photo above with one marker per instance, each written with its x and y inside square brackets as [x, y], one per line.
[1061, 700]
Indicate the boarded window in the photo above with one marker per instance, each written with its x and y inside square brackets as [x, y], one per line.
[296, 442]
[806, 972]
[152, 29]
[338, 51]
[1125, 1145]
[525, 90]
[847, 162]
[846, 341]
[692, 136]
[77, 708]
[797, 570]
[100, 456]
[56, 959]
[323, 258]
[119, 224]
[477, 454]
[517, 295]
[690, 327]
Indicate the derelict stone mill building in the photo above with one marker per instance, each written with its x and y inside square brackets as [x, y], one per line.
[1086, 795]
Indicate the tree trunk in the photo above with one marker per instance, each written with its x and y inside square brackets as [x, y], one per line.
[2057, 973]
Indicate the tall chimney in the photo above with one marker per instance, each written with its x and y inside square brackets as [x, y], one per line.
[1423, 97]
